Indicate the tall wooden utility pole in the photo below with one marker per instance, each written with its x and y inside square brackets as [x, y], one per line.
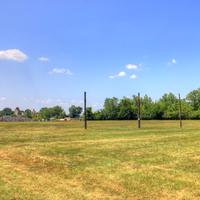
[138, 104]
[180, 110]
[85, 111]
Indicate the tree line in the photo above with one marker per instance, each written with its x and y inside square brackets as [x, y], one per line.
[167, 107]
[45, 113]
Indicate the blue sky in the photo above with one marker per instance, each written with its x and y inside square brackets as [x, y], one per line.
[53, 51]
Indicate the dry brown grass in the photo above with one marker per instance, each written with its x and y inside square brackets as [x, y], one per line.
[111, 160]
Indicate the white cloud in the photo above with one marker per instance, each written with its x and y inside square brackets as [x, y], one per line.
[60, 71]
[43, 59]
[111, 77]
[133, 76]
[132, 66]
[13, 54]
[120, 74]
[2, 98]
[172, 62]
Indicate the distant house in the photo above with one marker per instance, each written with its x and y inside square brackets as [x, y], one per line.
[66, 119]
[17, 111]
[34, 112]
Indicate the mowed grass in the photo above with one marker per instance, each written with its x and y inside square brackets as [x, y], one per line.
[111, 160]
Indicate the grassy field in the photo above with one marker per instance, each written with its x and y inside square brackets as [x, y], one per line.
[110, 160]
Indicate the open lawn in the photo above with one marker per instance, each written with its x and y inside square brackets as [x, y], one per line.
[110, 160]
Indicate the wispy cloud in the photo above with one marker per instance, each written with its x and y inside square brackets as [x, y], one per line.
[112, 77]
[43, 59]
[133, 76]
[172, 62]
[132, 66]
[60, 71]
[120, 74]
[13, 54]
[2, 98]
[97, 106]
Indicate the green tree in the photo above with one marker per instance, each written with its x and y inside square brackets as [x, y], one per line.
[186, 110]
[99, 115]
[45, 113]
[111, 108]
[75, 111]
[90, 114]
[127, 109]
[28, 113]
[57, 112]
[168, 105]
[7, 112]
[157, 111]
[147, 108]
[193, 99]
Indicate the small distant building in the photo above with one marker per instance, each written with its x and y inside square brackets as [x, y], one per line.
[65, 119]
[68, 119]
[34, 112]
[17, 111]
